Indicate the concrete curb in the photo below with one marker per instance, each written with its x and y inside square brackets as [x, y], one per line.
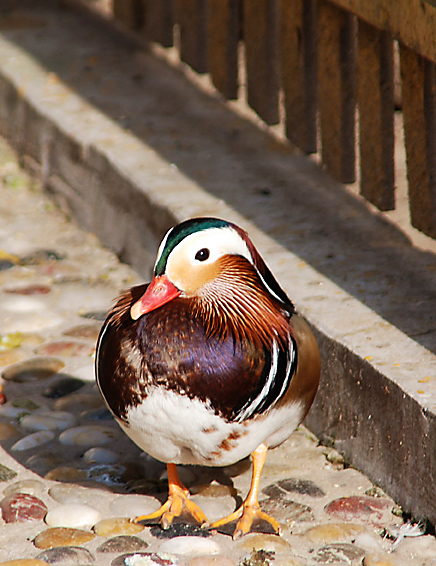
[377, 400]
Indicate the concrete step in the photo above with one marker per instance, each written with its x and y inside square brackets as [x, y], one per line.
[129, 145]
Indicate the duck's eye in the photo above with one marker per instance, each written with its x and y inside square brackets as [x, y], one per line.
[202, 255]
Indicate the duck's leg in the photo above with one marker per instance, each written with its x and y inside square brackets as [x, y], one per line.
[250, 509]
[177, 503]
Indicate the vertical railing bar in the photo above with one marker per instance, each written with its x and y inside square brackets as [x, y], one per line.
[336, 31]
[430, 115]
[159, 21]
[376, 116]
[418, 100]
[191, 16]
[310, 74]
[299, 72]
[129, 12]
[260, 35]
[224, 32]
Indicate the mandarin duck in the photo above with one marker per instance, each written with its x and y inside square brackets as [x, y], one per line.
[208, 363]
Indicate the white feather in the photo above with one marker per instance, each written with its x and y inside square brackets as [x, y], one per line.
[251, 408]
[407, 530]
[173, 428]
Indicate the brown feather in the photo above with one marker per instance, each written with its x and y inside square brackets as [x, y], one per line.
[235, 302]
[124, 302]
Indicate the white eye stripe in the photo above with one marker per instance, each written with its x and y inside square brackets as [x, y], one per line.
[162, 245]
[219, 242]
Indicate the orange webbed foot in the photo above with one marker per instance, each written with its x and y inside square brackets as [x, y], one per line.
[178, 502]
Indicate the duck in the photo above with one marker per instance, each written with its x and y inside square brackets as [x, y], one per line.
[208, 364]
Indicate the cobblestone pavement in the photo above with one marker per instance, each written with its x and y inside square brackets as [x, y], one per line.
[70, 480]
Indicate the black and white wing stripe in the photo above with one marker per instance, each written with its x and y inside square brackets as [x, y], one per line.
[279, 368]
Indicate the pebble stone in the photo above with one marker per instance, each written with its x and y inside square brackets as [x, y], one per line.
[33, 369]
[65, 349]
[99, 455]
[78, 402]
[90, 331]
[62, 387]
[287, 511]
[88, 436]
[66, 474]
[363, 508]
[190, 546]
[122, 544]
[33, 440]
[294, 485]
[145, 559]
[76, 515]
[29, 290]
[333, 532]
[22, 507]
[62, 536]
[7, 431]
[65, 494]
[270, 543]
[134, 505]
[54, 420]
[67, 556]
[117, 526]
[31, 487]
[342, 553]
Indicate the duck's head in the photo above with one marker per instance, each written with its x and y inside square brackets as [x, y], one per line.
[214, 263]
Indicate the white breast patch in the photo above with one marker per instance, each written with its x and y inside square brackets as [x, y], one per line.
[175, 429]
